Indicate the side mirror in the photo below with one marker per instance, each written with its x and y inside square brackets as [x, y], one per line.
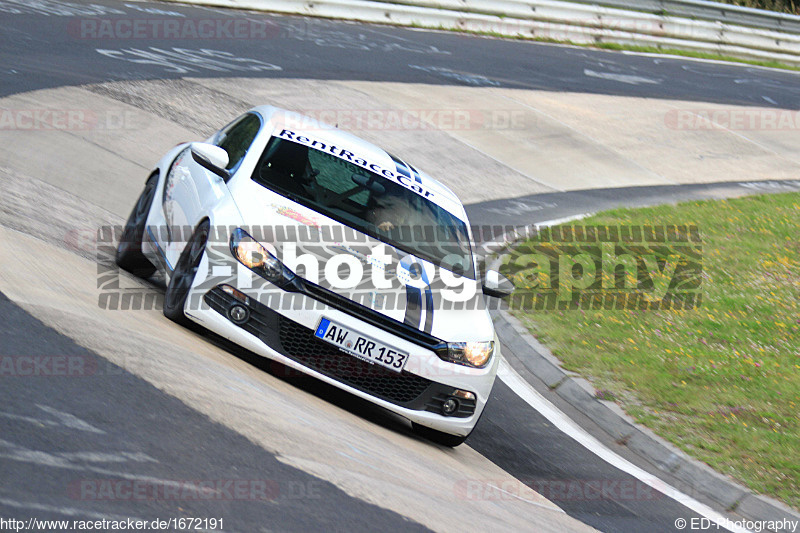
[497, 285]
[212, 158]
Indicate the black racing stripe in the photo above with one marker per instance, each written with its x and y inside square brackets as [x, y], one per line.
[402, 168]
[413, 306]
[406, 169]
[428, 310]
[417, 177]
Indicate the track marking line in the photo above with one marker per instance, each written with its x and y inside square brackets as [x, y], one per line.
[561, 421]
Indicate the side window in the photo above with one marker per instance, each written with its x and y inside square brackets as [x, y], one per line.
[236, 138]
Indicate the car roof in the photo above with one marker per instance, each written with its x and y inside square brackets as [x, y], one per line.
[303, 126]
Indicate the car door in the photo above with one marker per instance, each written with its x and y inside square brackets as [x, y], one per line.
[191, 191]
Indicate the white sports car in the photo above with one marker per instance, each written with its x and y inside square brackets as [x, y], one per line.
[314, 248]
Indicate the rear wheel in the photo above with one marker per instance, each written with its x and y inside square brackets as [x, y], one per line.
[129, 249]
[439, 437]
[183, 276]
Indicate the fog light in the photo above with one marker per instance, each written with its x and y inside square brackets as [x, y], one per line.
[449, 406]
[239, 314]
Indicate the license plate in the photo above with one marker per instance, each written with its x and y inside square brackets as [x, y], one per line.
[361, 346]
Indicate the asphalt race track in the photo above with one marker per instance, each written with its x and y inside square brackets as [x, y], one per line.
[160, 405]
[31, 62]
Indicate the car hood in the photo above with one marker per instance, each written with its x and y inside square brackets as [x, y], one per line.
[392, 282]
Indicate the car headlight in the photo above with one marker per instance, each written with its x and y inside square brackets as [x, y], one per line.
[475, 354]
[254, 256]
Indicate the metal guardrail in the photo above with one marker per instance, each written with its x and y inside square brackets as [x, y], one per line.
[711, 11]
[691, 9]
[560, 20]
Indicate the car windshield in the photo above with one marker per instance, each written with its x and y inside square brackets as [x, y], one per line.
[367, 202]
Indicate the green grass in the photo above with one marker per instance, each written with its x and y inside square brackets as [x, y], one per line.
[722, 381]
[782, 6]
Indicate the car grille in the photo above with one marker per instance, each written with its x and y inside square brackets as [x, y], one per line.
[300, 344]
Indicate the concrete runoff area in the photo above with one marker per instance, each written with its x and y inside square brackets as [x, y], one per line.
[519, 142]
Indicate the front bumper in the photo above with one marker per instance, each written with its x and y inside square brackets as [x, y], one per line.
[298, 343]
[288, 337]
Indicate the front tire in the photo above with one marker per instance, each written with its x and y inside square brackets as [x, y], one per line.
[129, 250]
[183, 276]
[438, 437]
